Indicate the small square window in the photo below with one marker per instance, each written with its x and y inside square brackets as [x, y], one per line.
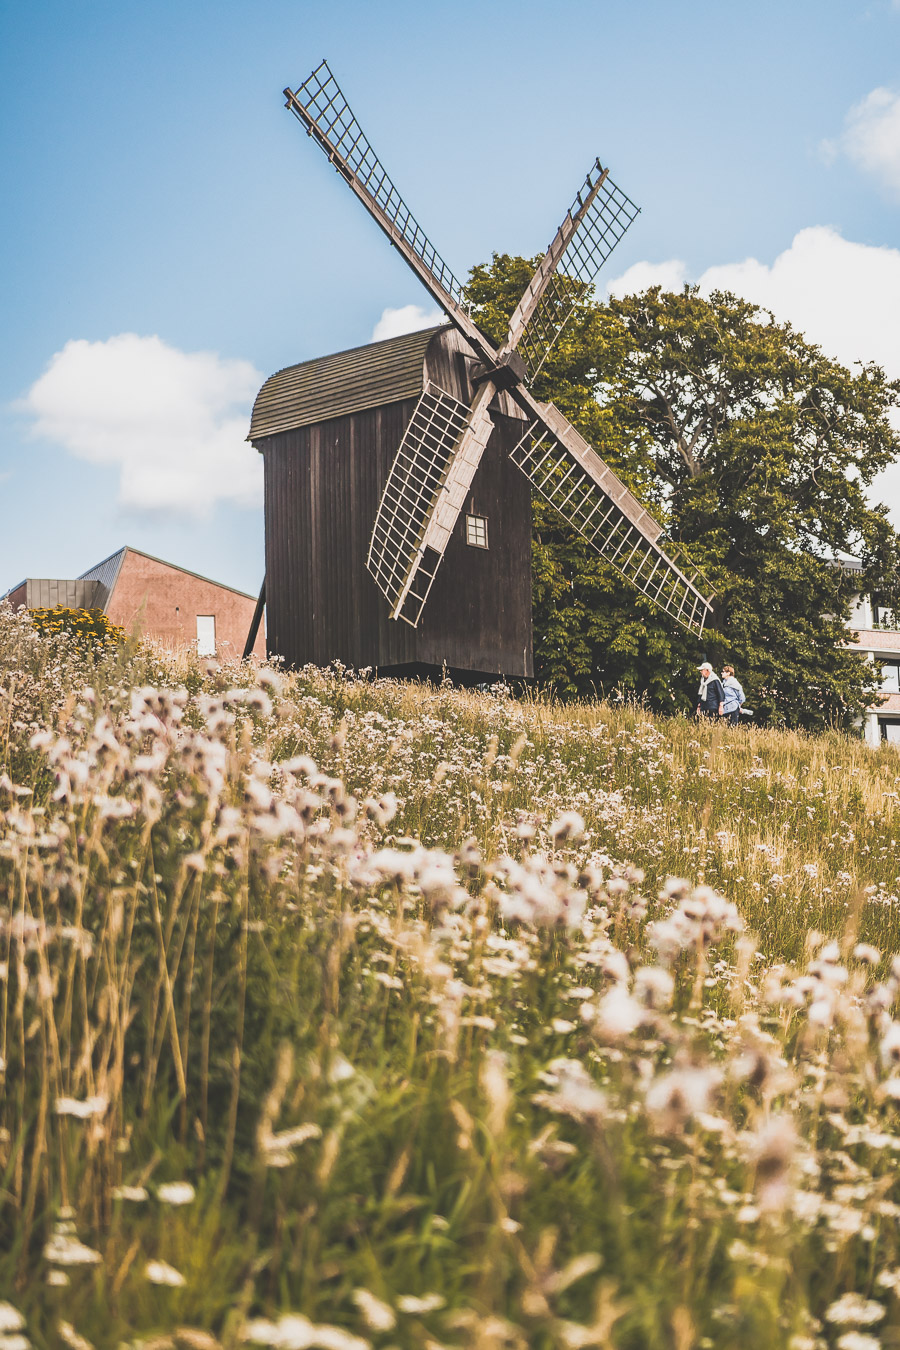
[476, 531]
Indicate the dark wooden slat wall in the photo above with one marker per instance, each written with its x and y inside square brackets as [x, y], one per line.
[323, 484]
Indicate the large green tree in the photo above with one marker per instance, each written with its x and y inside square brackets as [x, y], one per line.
[755, 450]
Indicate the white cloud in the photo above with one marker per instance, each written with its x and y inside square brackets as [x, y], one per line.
[641, 276]
[407, 319]
[173, 423]
[871, 137]
[842, 295]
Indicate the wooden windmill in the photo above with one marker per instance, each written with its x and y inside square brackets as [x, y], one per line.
[381, 460]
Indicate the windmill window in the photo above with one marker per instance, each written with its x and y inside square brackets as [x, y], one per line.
[476, 531]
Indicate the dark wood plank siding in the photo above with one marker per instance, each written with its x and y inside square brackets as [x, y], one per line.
[478, 615]
[323, 483]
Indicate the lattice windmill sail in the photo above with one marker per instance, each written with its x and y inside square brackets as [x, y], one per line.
[442, 446]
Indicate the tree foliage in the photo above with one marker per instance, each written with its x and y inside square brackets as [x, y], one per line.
[755, 450]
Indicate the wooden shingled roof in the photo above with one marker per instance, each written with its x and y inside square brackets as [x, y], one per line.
[343, 383]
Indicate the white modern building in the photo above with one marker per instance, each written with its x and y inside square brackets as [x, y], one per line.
[876, 630]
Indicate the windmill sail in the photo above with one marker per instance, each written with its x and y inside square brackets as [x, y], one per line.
[600, 215]
[424, 494]
[590, 498]
[322, 109]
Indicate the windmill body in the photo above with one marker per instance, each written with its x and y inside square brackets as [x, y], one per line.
[436, 465]
[328, 431]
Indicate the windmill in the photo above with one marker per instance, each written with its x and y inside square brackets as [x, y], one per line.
[433, 469]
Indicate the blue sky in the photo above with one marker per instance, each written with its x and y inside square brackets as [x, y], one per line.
[157, 188]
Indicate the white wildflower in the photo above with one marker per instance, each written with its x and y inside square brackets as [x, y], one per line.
[297, 1135]
[376, 1315]
[389, 981]
[278, 1148]
[65, 1250]
[677, 1094]
[175, 1193]
[10, 1318]
[292, 1331]
[382, 809]
[653, 987]
[160, 1272]
[618, 1013]
[858, 1340]
[416, 1306]
[575, 1095]
[852, 1308]
[890, 1044]
[570, 825]
[675, 888]
[71, 1337]
[83, 1110]
[133, 1193]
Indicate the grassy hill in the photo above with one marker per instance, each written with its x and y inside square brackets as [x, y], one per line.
[337, 1014]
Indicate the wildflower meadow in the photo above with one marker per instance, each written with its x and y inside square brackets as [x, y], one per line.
[344, 1013]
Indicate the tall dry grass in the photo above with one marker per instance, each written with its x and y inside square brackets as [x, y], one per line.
[337, 1014]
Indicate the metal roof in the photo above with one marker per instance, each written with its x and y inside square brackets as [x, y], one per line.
[106, 574]
[346, 382]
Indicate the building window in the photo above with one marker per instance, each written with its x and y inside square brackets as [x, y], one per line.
[890, 677]
[476, 531]
[206, 634]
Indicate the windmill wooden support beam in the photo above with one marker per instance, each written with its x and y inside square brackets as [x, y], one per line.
[507, 372]
[255, 622]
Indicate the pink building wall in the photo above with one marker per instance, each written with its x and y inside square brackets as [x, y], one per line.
[161, 601]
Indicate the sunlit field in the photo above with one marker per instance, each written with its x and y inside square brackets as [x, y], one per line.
[338, 1013]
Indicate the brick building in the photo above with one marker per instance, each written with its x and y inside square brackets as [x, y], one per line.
[155, 599]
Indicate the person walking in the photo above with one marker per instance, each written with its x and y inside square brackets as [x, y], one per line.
[711, 694]
[735, 698]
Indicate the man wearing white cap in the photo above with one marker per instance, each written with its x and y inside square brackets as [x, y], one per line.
[711, 694]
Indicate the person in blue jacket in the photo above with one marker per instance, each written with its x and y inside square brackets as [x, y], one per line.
[711, 694]
[735, 698]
